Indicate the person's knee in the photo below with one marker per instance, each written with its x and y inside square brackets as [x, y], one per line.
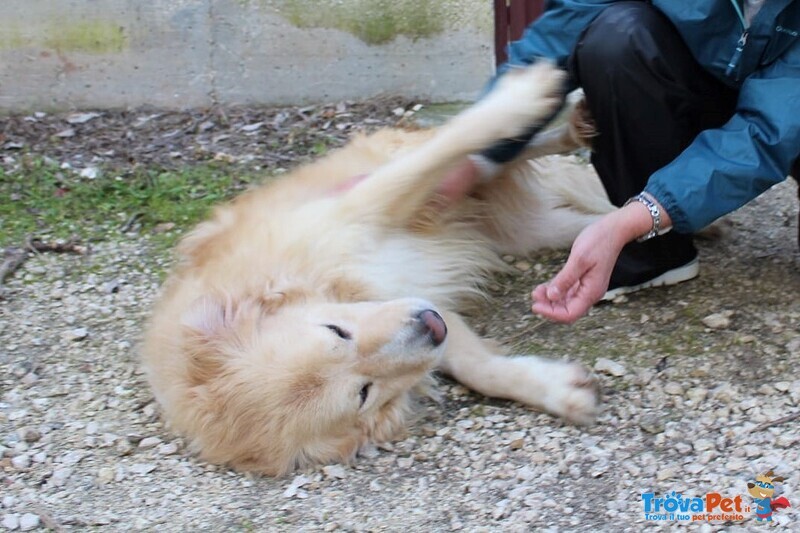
[616, 36]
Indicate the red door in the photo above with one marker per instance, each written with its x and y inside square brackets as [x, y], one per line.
[511, 17]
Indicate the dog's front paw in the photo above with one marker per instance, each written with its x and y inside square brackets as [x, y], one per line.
[533, 84]
[528, 95]
[524, 98]
[573, 393]
[561, 388]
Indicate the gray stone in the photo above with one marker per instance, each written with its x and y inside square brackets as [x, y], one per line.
[11, 522]
[76, 334]
[60, 476]
[149, 442]
[607, 366]
[142, 468]
[21, 462]
[28, 521]
[718, 320]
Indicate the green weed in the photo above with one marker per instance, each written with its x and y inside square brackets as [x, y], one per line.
[40, 199]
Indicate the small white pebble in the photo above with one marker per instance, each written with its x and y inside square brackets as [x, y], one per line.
[607, 366]
[28, 521]
[149, 442]
[11, 522]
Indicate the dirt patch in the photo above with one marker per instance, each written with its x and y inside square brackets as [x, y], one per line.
[257, 137]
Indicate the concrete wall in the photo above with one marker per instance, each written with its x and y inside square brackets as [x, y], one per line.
[189, 53]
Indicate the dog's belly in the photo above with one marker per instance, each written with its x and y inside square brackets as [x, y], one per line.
[443, 269]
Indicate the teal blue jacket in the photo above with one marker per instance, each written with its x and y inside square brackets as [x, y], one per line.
[727, 167]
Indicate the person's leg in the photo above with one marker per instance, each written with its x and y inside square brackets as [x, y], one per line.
[648, 96]
[649, 99]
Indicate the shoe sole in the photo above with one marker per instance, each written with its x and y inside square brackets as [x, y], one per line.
[672, 277]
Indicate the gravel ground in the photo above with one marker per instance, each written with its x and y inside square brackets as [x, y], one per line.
[699, 382]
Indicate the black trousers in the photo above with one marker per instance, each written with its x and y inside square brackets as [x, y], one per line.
[648, 96]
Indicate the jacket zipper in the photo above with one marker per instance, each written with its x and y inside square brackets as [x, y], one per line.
[737, 53]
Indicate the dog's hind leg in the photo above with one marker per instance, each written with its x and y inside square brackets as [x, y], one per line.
[576, 133]
[393, 193]
[558, 387]
[544, 204]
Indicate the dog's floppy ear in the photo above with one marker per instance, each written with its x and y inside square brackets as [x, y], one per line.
[198, 245]
[214, 327]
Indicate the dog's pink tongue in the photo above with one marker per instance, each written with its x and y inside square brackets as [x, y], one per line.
[435, 323]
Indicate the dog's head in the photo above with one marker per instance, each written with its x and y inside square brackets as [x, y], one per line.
[764, 485]
[274, 387]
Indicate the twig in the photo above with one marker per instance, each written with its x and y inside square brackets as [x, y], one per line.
[130, 222]
[72, 246]
[777, 422]
[16, 257]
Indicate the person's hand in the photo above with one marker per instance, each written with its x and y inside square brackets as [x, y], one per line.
[584, 278]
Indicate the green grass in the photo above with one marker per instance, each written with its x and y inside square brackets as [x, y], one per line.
[41, 199]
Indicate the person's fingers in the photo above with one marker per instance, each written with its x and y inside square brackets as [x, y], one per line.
[539, 293]
[567, 279]
[553, 292]
[565, 298]
[573, 291]
[567, 311]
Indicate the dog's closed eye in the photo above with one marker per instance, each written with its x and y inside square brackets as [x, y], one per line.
[363, 394]
[343, 334]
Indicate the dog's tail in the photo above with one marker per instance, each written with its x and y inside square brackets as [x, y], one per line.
[396, 191]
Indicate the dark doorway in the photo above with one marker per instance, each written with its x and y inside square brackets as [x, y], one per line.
[511, 17]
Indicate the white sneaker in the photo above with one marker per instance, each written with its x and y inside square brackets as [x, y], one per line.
[677, 275]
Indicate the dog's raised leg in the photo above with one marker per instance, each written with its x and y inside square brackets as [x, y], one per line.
[576, 133]
[558, 387]
[395, 192]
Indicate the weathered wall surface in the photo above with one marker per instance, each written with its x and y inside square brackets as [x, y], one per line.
[190, 53]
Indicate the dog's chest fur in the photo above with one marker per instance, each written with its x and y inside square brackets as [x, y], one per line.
[444, 265]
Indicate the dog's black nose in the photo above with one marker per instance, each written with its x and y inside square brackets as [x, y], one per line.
[434, 325]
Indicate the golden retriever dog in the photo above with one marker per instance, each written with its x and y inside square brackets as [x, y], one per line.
[303, 318]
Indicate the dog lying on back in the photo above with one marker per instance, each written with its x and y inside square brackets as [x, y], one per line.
[303, 318]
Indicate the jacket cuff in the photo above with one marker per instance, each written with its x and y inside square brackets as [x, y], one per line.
[680, 222]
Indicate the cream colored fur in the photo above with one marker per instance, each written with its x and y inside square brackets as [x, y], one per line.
[291, 331]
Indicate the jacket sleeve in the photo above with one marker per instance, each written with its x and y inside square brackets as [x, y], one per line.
[552, 36]
[725, 168]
